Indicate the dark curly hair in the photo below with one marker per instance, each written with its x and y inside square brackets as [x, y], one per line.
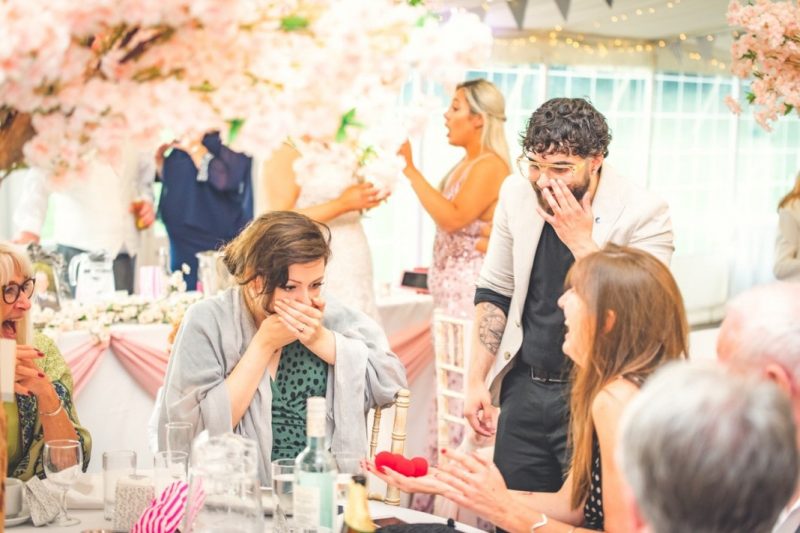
[567, 125]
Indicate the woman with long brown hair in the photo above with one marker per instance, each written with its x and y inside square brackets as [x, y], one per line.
[625, 318]
[247, 360]
[787, 245]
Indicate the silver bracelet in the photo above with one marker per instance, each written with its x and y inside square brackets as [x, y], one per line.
[58, 410]
[540, 523]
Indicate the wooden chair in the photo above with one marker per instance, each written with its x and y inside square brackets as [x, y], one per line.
[401, 403]
[452, 343]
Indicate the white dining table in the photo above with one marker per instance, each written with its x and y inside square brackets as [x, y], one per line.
[92, 520]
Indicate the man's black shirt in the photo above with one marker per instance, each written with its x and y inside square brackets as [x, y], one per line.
[542, 320]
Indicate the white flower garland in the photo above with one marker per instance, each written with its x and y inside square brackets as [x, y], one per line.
[97, 316]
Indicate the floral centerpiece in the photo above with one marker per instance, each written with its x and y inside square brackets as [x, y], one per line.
[97, 316]
[767, 49]
[81, 81]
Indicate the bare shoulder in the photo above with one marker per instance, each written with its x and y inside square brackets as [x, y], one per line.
[613, 398]
[492, 166]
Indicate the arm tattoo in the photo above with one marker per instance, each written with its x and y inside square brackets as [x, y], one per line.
[490, 327]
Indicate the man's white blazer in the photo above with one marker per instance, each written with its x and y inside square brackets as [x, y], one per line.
[623, 213]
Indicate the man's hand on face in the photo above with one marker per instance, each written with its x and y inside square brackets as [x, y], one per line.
[572, 220]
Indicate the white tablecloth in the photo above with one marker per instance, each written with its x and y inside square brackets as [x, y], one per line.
[112, 405]
[93, 520]
[116, 409]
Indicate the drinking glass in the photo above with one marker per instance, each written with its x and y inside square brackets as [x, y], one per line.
[63, 460]
[169, 467]
[116, 465]
[282, 487]
[179, 437]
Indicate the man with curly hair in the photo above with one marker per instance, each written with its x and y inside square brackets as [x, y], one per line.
[566, 204]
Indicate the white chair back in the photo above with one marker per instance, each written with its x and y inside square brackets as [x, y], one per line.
[452, 342]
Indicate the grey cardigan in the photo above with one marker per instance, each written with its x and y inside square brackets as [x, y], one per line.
[215, 333]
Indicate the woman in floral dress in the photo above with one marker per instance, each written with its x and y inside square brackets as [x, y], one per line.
[463, 208]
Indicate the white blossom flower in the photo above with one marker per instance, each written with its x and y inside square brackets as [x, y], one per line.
[125, 70]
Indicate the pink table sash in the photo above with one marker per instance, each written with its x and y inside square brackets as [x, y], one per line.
[414, 347]
[83, 360]
[148, 365]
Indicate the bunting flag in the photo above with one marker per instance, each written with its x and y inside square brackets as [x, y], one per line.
[563, 6]
[518, 10]
[610, 3]
[704, 47]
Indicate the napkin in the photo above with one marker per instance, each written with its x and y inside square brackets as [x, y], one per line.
[42, 503]
[86, 493]
[165, 513]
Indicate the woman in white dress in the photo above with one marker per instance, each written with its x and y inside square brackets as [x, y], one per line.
[349, 271]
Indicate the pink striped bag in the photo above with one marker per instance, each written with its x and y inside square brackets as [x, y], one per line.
[165, 513]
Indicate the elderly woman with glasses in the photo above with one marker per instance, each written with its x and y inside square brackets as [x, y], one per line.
[43, 410]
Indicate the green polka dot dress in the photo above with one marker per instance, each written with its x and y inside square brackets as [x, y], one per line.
[300, 375]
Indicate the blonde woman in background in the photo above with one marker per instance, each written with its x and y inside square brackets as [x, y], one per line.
[462, 209]
[463, 206]
[787, 246]
[349, 271]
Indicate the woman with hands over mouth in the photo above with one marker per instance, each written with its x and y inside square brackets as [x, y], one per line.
[247, 360]
[43, 409]
[625, 318]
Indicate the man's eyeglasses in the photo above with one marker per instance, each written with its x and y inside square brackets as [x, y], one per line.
[12, 290]
[532, 169]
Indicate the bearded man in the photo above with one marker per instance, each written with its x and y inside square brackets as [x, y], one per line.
[566, 204]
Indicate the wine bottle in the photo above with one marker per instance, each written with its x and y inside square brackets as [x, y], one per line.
[315, 475]
[356, 512]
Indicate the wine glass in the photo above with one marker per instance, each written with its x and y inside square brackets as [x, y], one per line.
[179, 437]
[169, 467]
[63, 461]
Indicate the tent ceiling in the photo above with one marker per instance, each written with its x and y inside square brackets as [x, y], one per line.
[594, 17]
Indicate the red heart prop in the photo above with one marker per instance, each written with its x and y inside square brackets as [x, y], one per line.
[420, 466]
[386, 459]
[405, 467]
